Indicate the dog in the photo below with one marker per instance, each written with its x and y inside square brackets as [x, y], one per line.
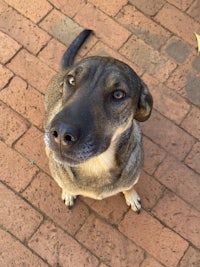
[92, 136]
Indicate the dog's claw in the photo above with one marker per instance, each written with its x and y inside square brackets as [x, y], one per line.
[68, 199]
[138, 211]
[69, 207]
[133, 200]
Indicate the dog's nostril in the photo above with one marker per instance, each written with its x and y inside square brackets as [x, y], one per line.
[55, 134]
[68, 138]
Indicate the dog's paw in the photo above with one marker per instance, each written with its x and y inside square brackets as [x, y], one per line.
[68, 199]
[133, 200]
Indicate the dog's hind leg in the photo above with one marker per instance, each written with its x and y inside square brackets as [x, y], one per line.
[133, 199]
[68, 198]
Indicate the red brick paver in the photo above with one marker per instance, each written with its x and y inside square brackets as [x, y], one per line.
[30, 9]
[32, 110]
[14, 253]
[152, 236]
[44, 194]
[156, 38]
[108, 244]
[59, 249]
[22, 29]
[93, 18]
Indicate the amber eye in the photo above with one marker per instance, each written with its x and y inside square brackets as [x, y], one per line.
[71, 80]
[118, 94]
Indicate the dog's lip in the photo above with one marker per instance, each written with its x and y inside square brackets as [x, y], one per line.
[67, 160]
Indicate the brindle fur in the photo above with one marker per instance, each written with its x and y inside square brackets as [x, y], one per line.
[96, 149]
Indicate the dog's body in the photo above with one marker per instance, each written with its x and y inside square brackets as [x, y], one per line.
[92, 138]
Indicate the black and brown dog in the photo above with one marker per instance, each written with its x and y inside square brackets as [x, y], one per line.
[92, 137]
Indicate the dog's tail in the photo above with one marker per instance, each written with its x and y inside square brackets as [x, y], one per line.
[70, 53]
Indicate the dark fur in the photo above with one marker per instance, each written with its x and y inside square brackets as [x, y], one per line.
[92, 138]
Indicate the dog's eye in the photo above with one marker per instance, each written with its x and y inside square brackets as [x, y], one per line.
[118, 94]
[71, 80]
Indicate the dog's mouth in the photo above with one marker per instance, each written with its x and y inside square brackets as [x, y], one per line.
[74, 160]
[67, 160]
[74, 157]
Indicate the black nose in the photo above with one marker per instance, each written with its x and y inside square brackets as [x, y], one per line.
[64, 134]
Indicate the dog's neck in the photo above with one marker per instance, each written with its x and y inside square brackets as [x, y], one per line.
[100, 164]
[106, 166]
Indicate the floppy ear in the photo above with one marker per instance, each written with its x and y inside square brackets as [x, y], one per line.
[145, 104]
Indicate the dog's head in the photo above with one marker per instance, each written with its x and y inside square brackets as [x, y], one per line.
[89, 105]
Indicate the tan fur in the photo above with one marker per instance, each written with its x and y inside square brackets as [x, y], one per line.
[100, 164]
[105, 161]
[88, 112]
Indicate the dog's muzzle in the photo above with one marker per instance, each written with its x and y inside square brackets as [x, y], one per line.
[71, 146]
[64, 141]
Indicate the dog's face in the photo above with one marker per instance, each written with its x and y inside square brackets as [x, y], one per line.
[90, 105]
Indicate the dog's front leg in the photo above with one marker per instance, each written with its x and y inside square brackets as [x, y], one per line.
[133, 199]
[68, 198]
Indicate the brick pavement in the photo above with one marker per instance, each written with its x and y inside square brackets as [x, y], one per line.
[157, 39]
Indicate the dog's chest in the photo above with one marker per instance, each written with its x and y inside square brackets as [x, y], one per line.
[98, 171]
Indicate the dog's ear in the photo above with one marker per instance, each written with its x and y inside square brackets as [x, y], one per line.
[145, 104]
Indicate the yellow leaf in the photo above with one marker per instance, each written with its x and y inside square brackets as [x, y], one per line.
[198, 41]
